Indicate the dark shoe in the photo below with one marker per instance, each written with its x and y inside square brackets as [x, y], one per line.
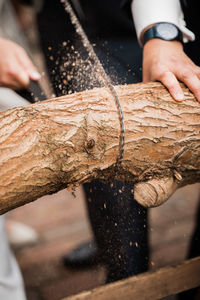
[84, 256]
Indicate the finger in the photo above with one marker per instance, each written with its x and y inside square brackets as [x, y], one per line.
[171, 83]
[29, 67]
[20, 77]
[10, 83]
[192, 81]
[23, 79]
[17, 75]
[14, 77]
[198, 72]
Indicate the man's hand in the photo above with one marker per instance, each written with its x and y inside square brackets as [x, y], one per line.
[166, 62]
[16, 68]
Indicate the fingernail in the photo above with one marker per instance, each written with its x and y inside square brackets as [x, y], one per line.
[179, 96]
[24, 78]
[35, 75]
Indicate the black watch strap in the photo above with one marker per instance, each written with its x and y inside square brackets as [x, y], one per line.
[153, 32]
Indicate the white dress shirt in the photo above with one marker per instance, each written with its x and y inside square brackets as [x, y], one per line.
[147, 12]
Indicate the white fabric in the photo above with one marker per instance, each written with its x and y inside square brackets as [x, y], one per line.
[9, 99]
[147, 12]
[11, 283]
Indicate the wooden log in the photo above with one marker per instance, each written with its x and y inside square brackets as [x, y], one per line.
[64, 142]
[156, 284]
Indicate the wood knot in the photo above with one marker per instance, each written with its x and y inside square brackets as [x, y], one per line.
[89, 144]
[177, 175]
[155, 191]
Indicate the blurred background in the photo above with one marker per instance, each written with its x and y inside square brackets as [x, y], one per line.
[60, 223]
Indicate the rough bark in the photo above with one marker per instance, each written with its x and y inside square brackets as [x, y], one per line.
[66, 141]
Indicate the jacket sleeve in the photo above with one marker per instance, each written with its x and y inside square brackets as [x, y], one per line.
[147, 12]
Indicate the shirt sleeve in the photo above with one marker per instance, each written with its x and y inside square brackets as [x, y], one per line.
[147, 12]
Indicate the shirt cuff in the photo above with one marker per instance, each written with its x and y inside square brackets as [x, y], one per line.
[147, 12]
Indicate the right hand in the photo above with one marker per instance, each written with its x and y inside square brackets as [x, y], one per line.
[16, 68]
[166, 62]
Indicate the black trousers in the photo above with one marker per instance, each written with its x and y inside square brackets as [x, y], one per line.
[120, 227]
[119, 223]
[192, 49]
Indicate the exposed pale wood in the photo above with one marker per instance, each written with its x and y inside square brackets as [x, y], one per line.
[61, 143]
[150, 285]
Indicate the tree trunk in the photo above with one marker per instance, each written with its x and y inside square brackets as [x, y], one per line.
[64, 142]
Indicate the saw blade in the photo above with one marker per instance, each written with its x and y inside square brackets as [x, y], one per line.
[102, 72]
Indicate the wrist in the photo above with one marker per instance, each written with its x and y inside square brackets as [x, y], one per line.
[143, 31]
[163, 30]
[155, 43]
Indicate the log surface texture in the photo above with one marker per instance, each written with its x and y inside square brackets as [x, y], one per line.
[66, 141]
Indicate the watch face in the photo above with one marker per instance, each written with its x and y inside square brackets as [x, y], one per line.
[167, 31]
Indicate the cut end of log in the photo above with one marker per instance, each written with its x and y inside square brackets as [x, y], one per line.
[154, 192]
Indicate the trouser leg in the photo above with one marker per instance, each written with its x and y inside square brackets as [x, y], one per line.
[194, 251]
[119, 224]
[192, 50]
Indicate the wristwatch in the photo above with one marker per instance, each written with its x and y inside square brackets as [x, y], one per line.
[164, 31]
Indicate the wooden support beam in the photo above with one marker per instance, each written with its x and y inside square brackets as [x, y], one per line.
[48, 146]
[150, 285]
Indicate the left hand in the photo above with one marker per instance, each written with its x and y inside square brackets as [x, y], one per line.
[16, 68]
